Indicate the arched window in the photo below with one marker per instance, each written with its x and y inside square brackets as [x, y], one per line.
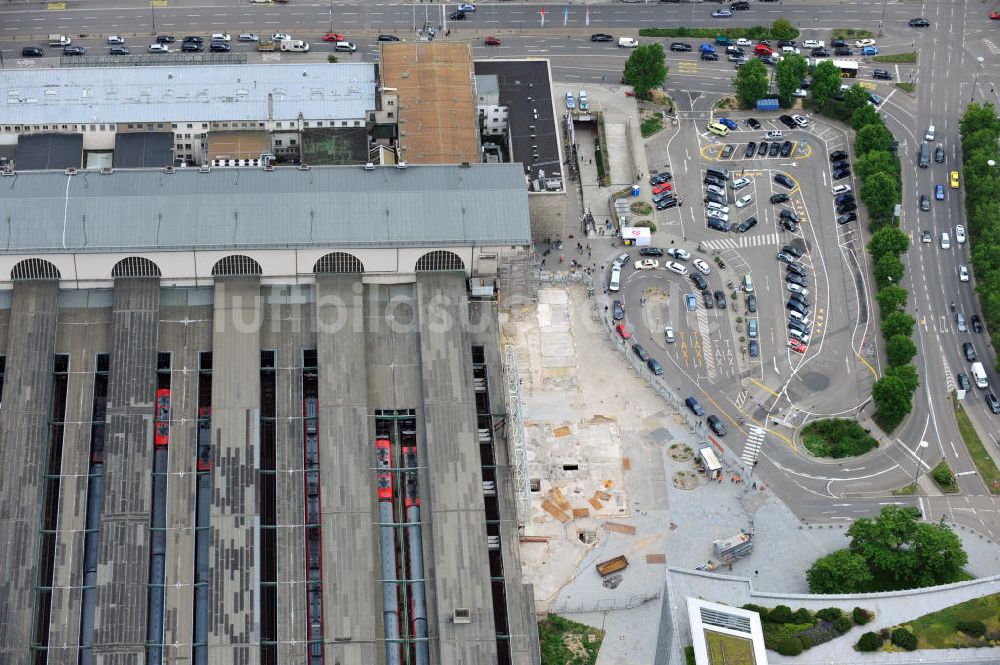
[34, 269]
[440, 260]
[339, 262]
[236, 265]
[135, 266]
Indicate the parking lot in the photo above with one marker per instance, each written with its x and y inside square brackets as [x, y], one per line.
[754, 332]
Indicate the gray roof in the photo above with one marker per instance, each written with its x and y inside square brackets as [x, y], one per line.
[186, 93]
[148, 209]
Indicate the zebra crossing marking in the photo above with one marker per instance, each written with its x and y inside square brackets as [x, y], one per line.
[742, 242]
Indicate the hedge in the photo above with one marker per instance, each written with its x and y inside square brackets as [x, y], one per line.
[756, 32]
[870, 642]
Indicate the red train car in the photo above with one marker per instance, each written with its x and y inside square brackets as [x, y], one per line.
[161, 435]
[383, 455]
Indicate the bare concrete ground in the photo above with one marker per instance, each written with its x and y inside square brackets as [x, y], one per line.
[632, 492]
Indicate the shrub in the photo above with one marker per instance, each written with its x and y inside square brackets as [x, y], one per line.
[836, 437]
[860, 616]
[762, 611]
[843, 624]
[780, 614]
[904, 639]
[790, 646]
[802, 615]
[870, 642]
[806, 641]
[830, 614]
[689, 656]
[972, 628]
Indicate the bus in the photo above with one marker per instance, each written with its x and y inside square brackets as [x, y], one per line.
[848, 68]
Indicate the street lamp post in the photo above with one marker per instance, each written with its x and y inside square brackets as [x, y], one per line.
[920, 459]
[975, 81]
[881, 20]
[152, 13]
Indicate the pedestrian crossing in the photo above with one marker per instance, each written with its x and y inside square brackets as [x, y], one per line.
[707, 352]
[743, 241]
[755, 440]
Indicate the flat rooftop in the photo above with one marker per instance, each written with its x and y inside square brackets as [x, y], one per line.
[438, 122]
[227, 208]
[186, 93]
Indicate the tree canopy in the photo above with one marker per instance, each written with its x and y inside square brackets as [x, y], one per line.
[788, 74]
[825, 82]
[873, 137]
[843, 571]
[646, 68]
[752, 82]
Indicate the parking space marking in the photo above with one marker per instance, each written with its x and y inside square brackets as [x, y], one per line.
[759, 240]
[706, 352]
[687, 67]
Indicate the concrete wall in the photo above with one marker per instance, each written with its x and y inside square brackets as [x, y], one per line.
[547, 211]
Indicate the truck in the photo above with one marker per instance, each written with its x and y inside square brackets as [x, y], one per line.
[265, 45]
[979, 375]
[59, 40]
[296, 45]
[605, 568]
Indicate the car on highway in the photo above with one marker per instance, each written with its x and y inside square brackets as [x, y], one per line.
[678, 253]
[969, 351]
[739, 5]
[963, 381]
[165, 39]
[158, 48]
[847, 217]
[722, 13]
[193, 39]
[716, 424]
[954, 179]
[751, 303]
[819, 53]
[925, 202]
[118, 50]
[977, 323]
[279, 37]
[650, 251]
[874, 99]
[925, 236]
[945, 240]
[959, 233]
[869, 50]
[963, 273]
[466, 7]
[995, 16]
[73, 50]
[796, 345]
[861, 43]
[960, 322]
[939, 154]
[939, 192]
[784, 180]
[691, 301]
[701, 266]
[617, 310]
[116, 40]
[457, 16]
[647, 264]
[992, 403]
[620, 329]
[720, 299]
[602, 37]
[919, 22]
[843, 50]
[251, 37]
[675, 267]
[32, 52]
[640, 350]
[744, 201]
[492, 41]
[681, 47]
[746, 225]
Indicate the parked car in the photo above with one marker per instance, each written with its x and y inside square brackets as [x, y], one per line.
[753, 123]
[786, 148]
[681, 47]
[781, 197]
[679, 254]
[617, 310]
[716, 424]
[784, 180]
[701, 266]
[720, 299]
[750, 150]
[650, 251]
[882, 75]
[698, 281]
[640, 350]
[751, 303]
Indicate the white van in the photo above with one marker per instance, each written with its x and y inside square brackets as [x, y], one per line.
[616, 280]
[296, 45]
[945, 240]
[748, 283]
[979, 375]
[345, 47]
[627, 42]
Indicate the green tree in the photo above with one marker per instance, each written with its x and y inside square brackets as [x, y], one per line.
[752, 82]
[783, 29]
[891, 299]
[899, 350]
[893, 402]
[870, 642]
[864, 116]
[788, 74]
[888, 270]
[888, 240]
[646, 68]
[842, 571]
[907, 374]
[855, 97]
[939, 554]
[897, 323]
[877, 162]
[880, 194]
[873, 137]
[978, 116]
[825, 82]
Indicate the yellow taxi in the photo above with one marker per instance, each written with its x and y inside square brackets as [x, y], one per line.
[954, 179]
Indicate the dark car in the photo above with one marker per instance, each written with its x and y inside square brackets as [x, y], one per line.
[191, 39]
[919, 22]
[710, 56]
[848, 217]
[925, 202]
[784, 180]
[641, 352]
[843, 50]
[840, 165]
[820, 53]
[786, 42]
[775, 149]
[840, 175]
[751, 303]
[392, 38]
[717, 425]
[165, 39]
[219, 47]
[779, 198]
[796, 269]
[969, 351]
[666, 203]
[789, 225]
[846, 197]
[715, 198]
[838, 43]
[650, 251]
[717, 224]
[787, 121]
[617, 310]
[654, 366]
[754, 348]
[787, 213]
[191, 47]
[706, 298]
[882, 75]
[752, 123]
[712, 180]
[739, 5]
[720, 299]
[727, 152]
[963, 381]
[751, 149]
[792, 278]
[786, 148]
[699, 281]
[793, 251]
[32, 52]
[838, 155]
[977, 323]
[660, 178]
[118, 50]
[681, 47]
[799, 298]
[762, 148]
[843, 208]
[457, 15]
[662, 196]
[796, 306]
[602, 37]
[692, 404]
[939, 155]
[73, 50]
[992, 403]
[746, 225]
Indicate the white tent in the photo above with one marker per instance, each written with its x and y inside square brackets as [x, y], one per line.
[638, 236]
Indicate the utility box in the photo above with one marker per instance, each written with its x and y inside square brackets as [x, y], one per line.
[767, 105]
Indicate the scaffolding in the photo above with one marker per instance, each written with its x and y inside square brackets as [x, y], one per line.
[517, 441]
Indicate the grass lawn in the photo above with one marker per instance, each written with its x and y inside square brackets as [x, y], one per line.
[937, 630]
[836, 437]
[851, 33]
[565, 642]
[944, 478]
[753, 32]
[906, 490]
[650, 126]
[896, 57]
[728, 649]
[907, 87]
[987, 468]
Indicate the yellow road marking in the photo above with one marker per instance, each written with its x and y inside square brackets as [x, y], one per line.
[56, 6]
[874, 373]
[158, 3]
[755, 381]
